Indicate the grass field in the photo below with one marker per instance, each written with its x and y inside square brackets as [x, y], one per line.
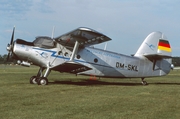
[71, 97]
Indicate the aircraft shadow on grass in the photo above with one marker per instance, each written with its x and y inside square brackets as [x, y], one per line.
[165, 83]
[87, 82]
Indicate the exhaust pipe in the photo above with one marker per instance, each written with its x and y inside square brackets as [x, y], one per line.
[23, 63]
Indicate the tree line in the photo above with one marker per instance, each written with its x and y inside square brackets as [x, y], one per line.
[3, 58]
[175, 60]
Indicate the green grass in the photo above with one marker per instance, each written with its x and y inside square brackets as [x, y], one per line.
[71, 97]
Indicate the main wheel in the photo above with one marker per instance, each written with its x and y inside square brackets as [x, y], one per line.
[42, 81]
[33, 80]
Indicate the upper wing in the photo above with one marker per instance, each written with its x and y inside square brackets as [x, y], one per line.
[85, 37]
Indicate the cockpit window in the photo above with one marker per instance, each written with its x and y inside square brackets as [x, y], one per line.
[44, 42]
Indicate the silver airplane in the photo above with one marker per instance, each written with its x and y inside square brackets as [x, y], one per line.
[72, 52]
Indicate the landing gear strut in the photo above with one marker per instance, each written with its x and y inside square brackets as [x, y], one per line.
[40, 79]
[144, 82]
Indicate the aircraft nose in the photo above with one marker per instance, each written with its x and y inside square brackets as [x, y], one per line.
[9, 47]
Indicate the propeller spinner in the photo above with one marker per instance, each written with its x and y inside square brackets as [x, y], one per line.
[9, 46]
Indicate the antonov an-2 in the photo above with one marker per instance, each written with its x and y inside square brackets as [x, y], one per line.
[72, 52]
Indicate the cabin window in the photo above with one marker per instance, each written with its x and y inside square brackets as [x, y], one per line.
[66, 54]
[95, 60]
[60, 53]
[78, 56]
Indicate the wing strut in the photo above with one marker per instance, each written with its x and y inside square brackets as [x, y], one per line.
[154, 63]
[76, 46]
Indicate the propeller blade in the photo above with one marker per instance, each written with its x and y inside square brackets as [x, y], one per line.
[12, 38]
[9, 46]
[7, 59]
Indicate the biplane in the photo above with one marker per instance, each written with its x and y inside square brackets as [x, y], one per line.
[74, 52]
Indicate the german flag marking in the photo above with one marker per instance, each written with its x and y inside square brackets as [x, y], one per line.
[164, 45]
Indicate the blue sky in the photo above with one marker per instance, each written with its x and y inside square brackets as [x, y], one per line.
[127, 22]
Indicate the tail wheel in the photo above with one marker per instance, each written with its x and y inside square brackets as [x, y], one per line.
[144, 83]
[42, 81]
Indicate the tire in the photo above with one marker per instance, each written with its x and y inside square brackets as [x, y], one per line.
[144, 83]
[43, 81]
[33, 80]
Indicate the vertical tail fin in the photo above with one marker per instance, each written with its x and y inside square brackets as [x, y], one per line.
[155, 44]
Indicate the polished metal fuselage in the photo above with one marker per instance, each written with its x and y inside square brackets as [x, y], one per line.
[102, 63]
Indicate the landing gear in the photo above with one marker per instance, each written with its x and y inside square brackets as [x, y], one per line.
[33, 80]
[40, 79]
[144, 82]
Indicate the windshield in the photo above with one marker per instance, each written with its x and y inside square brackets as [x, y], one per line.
[44, 42]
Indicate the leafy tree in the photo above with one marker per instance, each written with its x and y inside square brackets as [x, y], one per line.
[176, 61]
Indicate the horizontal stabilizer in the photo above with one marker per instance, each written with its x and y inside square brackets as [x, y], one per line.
[71, 67]
[156, 56]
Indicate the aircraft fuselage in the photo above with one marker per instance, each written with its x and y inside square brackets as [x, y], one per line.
[102, 63]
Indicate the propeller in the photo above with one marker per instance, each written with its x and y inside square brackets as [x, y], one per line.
[9, 46]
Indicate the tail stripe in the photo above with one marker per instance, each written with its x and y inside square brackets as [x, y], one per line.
[164, 45]
[164, 48]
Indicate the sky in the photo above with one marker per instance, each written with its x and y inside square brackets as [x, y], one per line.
[126, 22]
